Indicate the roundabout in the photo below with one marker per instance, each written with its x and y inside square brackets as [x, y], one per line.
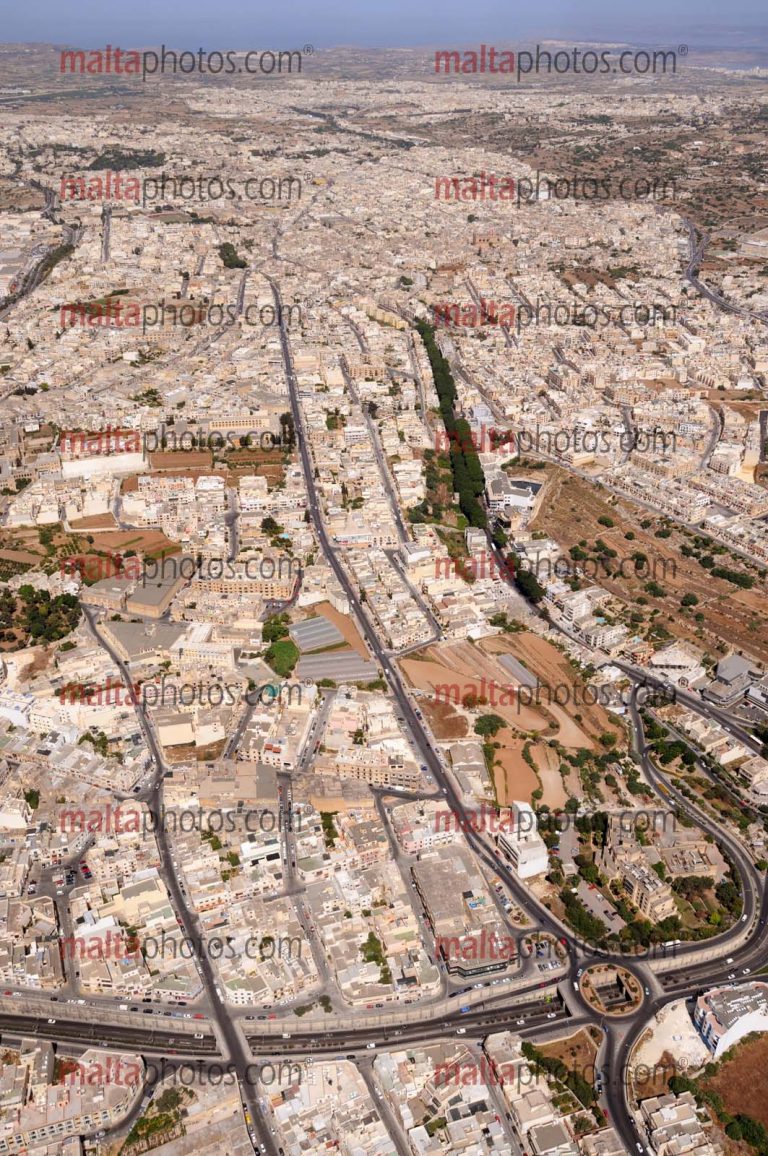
[610, 989]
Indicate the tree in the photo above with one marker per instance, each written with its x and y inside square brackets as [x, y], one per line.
[275, 628]
[489, 725]
[287, 428]
[282, 656]
[529, 586]
[229, 256]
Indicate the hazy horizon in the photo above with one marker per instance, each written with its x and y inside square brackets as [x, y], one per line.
[398, 23]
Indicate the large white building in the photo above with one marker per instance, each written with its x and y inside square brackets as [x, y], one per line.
[523, 846]
[725, 1015]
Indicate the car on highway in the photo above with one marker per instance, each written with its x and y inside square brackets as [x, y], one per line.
[51, 1021]
[370, 1045]
[551, 1015]
[520, 1023]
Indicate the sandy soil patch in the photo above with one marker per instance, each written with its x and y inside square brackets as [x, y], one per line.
[343, 623]
[672, 1030]
[273, 471]
[554, 671]
[148, 543]
[514, 779]
[577, 1052]
[40, 659]
[548, 764]
[180, 460]
[446, 723]
[94, 522]
[189, 753]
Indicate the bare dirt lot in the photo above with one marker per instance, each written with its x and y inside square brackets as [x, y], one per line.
[22, 556]
[180, 460]
[447, 724]
[577, 1052]
[94, 522]
[514, 779]
[343, 623]
[449, 671]
[548, 765]
[553, 670]
[147, 543]
[743, 1081]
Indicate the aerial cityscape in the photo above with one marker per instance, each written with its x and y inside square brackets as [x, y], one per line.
[383, 575]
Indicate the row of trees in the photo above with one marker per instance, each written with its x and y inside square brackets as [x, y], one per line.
[468, 477]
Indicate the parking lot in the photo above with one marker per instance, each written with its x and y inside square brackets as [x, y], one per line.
[596, 904]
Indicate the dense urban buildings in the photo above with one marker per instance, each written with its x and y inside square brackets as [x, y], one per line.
[383, 558]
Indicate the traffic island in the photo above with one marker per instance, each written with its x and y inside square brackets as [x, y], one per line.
[611, 990]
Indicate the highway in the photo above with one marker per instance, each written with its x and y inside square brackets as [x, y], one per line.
[692, 978]
[698, 245]
[527, 1019]
[104, 1034]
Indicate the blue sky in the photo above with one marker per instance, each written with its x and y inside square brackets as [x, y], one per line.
[282, 23]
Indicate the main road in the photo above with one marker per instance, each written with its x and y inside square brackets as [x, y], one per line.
[622, 1039]
[189, 921]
